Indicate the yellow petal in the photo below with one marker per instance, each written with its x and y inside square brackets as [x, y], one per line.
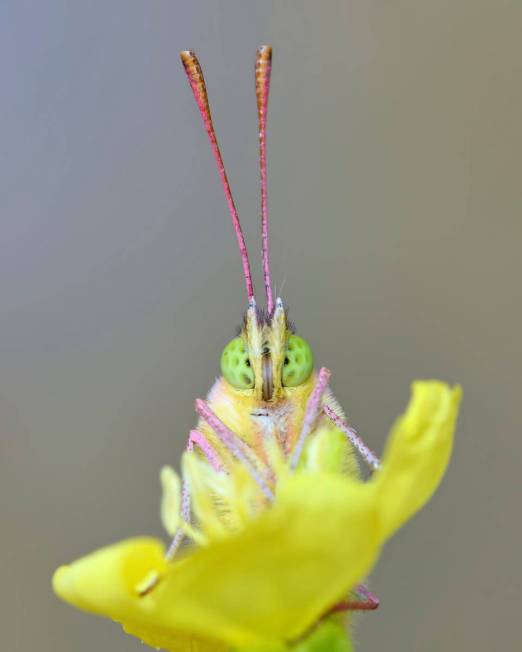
[327, 451]
[202, 480]
[244, 498]
[170, 502]
[417, 453]
[107, 582]
[270, 582]
[173, 641]
[273, 580]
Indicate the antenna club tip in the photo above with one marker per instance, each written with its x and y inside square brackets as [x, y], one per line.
[265, 50]
[264, 60]
[189, 61]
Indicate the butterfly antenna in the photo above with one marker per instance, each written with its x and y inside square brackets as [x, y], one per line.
[263, 70]
[197, 83]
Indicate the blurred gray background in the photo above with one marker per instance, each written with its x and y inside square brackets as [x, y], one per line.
[395, 151]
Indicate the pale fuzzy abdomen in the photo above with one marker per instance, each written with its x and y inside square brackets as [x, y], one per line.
[256, 422]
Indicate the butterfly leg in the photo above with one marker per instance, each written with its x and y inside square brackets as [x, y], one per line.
[369, 603]
[313, 409]
[367, 454]
[234, 445]
[198, 439]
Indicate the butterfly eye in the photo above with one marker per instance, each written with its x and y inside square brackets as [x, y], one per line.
[298, 363]
[235, 365]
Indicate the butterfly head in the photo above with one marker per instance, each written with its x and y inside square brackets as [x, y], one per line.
[267, 360]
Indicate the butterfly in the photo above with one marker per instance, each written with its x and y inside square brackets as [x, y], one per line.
[269, 388]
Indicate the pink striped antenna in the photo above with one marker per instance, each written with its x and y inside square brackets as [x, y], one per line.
[263, 70]
[197, 83]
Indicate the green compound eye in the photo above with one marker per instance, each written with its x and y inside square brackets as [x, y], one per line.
[298, 363]
[235, 365]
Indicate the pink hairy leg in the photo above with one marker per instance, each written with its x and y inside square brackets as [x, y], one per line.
[371, 602]
[232, 442]
[243, 447]
[199, 89]
[263, 70]
[367, 454]
[198, 439]
[313, 409]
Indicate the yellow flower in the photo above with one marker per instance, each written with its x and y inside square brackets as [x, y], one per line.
[264, 575]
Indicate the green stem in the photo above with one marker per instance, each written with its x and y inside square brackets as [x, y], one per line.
[327, 637]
